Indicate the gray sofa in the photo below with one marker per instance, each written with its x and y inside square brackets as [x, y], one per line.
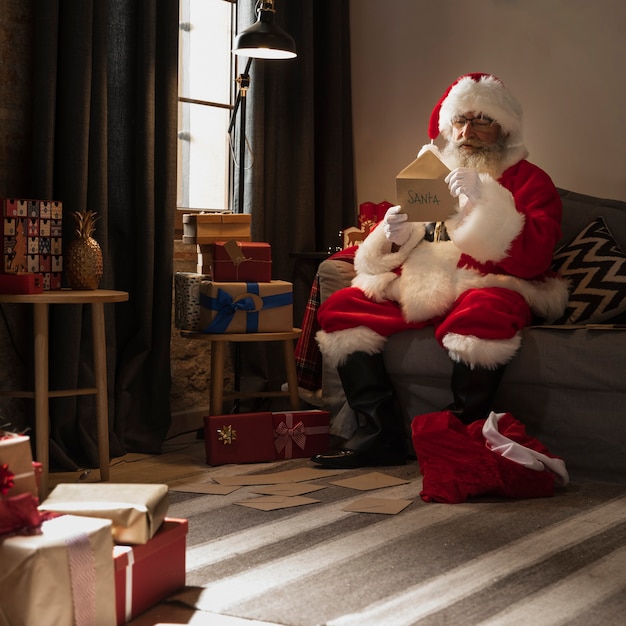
[567, 384]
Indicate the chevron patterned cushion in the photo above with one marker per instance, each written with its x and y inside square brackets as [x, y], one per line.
[595, 265]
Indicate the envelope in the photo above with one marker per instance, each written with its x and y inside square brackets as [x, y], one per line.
[275, 478]
[287, 489]
[383, 506]
[422, 191]
[208, 488]
[371, 480]
[271, 503]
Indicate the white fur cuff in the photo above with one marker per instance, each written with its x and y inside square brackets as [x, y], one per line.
[487, 353]
[336, 347]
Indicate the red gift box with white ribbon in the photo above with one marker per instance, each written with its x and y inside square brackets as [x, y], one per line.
[148, 573]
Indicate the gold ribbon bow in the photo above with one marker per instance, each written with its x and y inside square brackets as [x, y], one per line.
[226, 434]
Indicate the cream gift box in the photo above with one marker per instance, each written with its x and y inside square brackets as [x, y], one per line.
[210, 227]
[15, 452]
[63, 575]
[136, 510]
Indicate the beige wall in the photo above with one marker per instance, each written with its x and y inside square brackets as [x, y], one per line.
[564, 59]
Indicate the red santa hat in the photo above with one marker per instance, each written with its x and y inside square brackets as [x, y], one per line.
[478, 93]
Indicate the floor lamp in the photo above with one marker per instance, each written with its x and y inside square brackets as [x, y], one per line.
[263, 40]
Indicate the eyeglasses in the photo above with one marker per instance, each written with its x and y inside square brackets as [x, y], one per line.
[477, 123]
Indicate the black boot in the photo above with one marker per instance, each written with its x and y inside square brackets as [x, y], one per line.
[380, 436]
[473, 390]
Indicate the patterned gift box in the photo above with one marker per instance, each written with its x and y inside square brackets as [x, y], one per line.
[246, 307]
[135, 510]
[239, 438]
[31, 229]
[301, 434]
[187, 300]
[61, 575]
[236, 261]
[148, 573]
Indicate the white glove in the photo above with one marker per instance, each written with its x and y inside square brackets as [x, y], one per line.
[395, 225]
[464, 180]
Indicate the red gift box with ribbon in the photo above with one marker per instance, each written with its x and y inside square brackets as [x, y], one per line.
[236, 261]
[300, 434]
[146, 574]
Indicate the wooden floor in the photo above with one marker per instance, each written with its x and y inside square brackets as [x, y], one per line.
[182, 457]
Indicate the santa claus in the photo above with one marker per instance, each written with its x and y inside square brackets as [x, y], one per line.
[478, 278]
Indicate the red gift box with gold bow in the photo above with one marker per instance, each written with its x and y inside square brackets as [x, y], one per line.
[300, 434]
[239, 438]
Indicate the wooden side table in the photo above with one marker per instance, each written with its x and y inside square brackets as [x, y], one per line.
[218, 354]
[41, 301]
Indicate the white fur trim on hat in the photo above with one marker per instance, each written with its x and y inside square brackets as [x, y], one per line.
[488, 96]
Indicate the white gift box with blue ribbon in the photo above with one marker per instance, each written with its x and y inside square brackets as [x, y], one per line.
[246, 307]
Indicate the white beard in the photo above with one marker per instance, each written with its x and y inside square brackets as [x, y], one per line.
[487, 158]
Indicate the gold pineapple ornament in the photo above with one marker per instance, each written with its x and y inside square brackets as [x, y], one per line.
[84, 267]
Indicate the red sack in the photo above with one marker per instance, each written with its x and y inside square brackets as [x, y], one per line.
[457, 461]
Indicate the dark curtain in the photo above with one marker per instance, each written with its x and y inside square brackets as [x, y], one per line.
[300, 187]
[104, 125]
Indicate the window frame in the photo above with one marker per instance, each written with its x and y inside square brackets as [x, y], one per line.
[182, 163]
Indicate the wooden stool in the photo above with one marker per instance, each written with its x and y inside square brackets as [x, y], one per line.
[42, 394]
[218, 354]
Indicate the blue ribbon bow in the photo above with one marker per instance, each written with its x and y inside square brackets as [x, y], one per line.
[226, 307]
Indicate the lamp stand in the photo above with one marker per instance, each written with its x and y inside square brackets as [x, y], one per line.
[243, 80]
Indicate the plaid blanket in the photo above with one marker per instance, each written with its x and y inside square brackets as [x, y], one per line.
[308, 355]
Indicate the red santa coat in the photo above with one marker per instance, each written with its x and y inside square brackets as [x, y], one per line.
[503, 244]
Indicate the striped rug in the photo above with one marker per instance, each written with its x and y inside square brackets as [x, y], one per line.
[559, 560]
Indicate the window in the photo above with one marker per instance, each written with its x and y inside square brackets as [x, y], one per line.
[205, 102]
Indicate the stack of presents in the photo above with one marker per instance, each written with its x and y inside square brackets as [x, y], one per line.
[233, 292]
[31, 245]
[96, 553]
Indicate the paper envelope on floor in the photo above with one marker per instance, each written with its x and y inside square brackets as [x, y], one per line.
[136, 510]
[422, 191]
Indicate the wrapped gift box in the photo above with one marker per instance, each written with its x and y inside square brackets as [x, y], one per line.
[63, 575]
[211, 227]
[187, 300]
[301, 434]
[246, 307]
[236, 261]
[135, 510]
[147, 574]
[239, 438]
[15, 453]
[21, 283]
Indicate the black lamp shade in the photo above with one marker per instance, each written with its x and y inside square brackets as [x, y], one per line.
[265, 40]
